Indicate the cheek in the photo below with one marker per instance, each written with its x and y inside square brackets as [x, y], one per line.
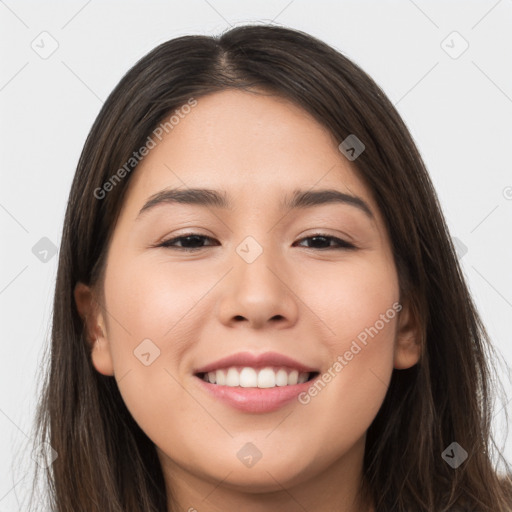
[154, 318]
[352, 298]
[350, 390]
[359, 308]
[156, 300]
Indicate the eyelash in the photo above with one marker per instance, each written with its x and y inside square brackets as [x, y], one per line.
[342, 244]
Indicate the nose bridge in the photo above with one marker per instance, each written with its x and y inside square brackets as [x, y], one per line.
[253, 262]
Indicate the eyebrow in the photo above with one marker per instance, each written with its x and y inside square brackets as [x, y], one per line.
[300, 199]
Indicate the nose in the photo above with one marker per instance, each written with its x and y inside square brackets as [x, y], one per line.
[259, 294]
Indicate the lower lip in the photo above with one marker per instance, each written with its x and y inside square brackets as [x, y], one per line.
[255, 400]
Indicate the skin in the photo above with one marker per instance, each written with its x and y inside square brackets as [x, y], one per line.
[257, 148]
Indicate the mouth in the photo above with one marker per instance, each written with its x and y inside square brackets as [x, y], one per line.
[255, 391]
[255, 383]
[251, 377]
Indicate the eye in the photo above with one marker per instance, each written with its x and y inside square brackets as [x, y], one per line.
[323, 239]
[193, 242]
[190, 242]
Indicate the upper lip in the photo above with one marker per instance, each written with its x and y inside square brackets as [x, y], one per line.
[255, 361]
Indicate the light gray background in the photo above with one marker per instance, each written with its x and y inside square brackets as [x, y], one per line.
[458, 110]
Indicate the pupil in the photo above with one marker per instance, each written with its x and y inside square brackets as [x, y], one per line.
[187, 239]
[326, 242]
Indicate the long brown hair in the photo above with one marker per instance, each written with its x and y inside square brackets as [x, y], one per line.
[105, 461]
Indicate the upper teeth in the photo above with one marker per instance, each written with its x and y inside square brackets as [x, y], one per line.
[248, 377]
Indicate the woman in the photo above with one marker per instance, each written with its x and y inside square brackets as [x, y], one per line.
[258, 305]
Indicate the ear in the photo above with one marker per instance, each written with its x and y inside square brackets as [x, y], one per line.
[96, 333]
[407, 342]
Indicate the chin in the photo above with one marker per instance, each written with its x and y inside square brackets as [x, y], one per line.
[264, 477]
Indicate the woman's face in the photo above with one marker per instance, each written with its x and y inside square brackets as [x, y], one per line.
[259, 282]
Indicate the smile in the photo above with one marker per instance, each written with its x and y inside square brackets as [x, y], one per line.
[263, 378]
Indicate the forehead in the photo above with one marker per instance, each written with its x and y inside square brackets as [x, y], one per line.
[254, 146]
